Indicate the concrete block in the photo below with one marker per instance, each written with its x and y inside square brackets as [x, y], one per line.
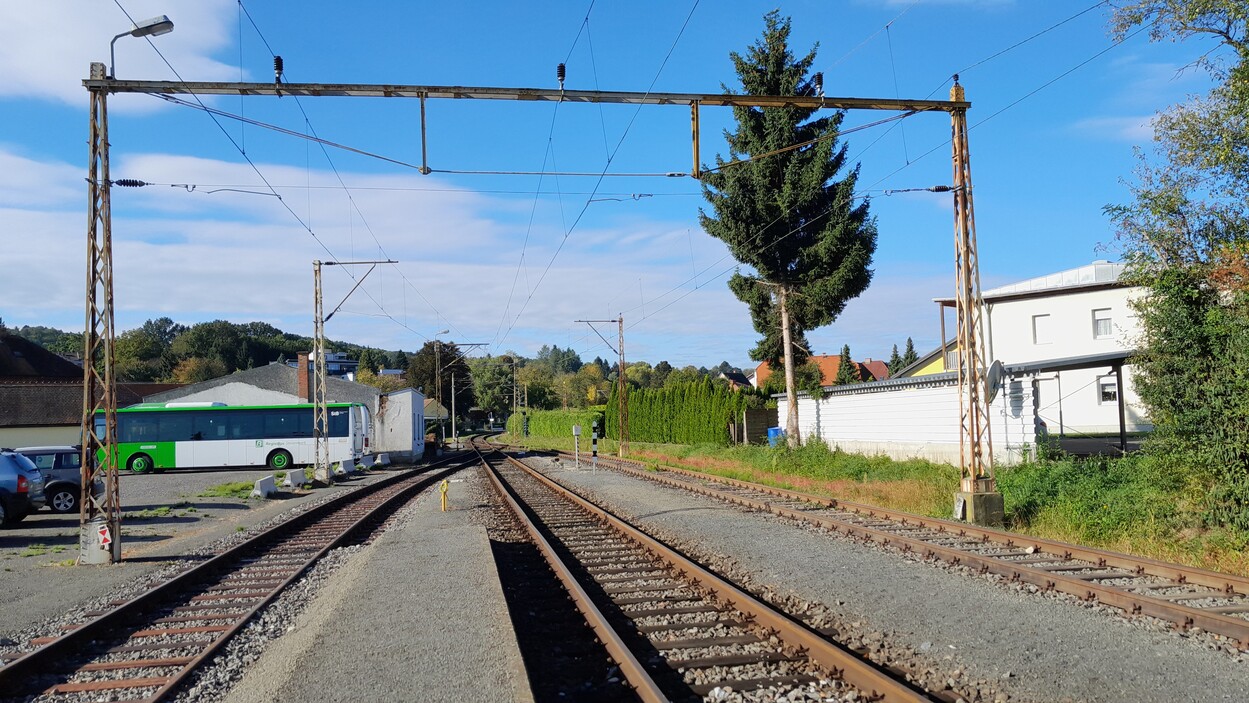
[295, 478]
[383, 459]
[983, 509]
[338, 469]
[264, 487]
[365, 462]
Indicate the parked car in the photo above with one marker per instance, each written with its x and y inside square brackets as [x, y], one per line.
[21, 487]
[61, 467]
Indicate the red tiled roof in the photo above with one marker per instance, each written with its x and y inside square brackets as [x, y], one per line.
[829, 365]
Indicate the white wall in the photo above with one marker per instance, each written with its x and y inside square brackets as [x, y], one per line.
[400, 424]
[916, 421]
[15, 437]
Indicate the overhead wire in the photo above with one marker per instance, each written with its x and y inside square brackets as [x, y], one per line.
[615, 151]
[350, 197]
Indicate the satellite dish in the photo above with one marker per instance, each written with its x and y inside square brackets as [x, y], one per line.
[993, 379]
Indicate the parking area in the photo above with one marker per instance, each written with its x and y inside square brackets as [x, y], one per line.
[164, 516]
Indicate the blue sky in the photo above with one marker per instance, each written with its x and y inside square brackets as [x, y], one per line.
[478, 253]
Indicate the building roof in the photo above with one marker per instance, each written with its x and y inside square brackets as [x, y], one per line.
[736, 378]
[38, 404]
[435, 410]
[1099, 274]
[279, 378]
[878, 369]
[829, 364]
[22, 358]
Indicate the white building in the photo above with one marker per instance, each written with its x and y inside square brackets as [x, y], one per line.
[1044, 324]
[1061, 340]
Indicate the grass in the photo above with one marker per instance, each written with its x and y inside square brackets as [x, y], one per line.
[149, 513]
[34, 550]
[233, 489]
[1133, 504]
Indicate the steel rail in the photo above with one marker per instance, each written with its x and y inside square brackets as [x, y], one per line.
[835, 658]
[1183, 616]
[633, 671]
[40, 661]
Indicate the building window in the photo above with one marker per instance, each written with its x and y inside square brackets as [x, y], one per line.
[1041, 332]
[1107, 391]
[1103, 328]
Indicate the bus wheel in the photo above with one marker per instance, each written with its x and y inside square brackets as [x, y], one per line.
[140, 463]
[279, 460]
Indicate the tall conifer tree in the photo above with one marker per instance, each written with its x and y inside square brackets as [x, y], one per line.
[806, 240]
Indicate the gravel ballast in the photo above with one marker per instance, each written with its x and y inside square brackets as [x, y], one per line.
[418, 615]
[1038, 647]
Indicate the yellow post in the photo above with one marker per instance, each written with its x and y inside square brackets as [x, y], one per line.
[444, 487]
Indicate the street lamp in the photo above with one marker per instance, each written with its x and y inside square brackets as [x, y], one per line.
[153, 27]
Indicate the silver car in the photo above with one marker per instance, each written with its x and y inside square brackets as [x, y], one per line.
[61, 467]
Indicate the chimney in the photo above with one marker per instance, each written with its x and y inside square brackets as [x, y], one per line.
[302, 373]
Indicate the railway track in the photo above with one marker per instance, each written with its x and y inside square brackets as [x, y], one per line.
[676, 630]
[144, 648]
[1185, 596]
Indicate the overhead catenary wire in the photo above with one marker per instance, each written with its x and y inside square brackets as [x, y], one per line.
[607, 166]
[253, 165]
[351, 199]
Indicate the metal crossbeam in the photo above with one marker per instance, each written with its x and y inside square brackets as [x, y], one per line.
[369, 90]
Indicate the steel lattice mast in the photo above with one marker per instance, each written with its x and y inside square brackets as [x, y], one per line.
[975, 435]
[99, 538]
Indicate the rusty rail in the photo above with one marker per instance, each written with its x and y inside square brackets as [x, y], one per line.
[838, 660]
[1184, 616]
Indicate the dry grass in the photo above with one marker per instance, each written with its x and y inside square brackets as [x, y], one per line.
[931, 494]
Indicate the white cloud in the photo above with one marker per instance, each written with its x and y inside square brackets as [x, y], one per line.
[46, 48]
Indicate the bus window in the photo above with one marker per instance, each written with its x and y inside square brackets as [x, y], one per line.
[338, 422]
[210, 425]
[137, 427]
[175, 426]
[247, 425]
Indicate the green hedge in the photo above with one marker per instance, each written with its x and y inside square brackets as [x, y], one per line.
[554, 423]
[685, 413]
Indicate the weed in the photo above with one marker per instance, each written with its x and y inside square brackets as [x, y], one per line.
[63, 562]
[150, 513]
[235, 489]
[34, 550]
[240, 528]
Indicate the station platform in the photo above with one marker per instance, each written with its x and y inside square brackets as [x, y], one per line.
[418, 616]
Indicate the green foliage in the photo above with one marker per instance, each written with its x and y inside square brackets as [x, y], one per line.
[847, 370]
[1097, 499]
[808, 240]
[1186, 240]
[555, 423]
[433, 368]
[909, 356]
[684, 413]
[233, 489]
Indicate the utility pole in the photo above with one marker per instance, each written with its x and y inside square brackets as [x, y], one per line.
[320, 396]
[453, 433]
[978, 500]
[622, 384]
[99, 538]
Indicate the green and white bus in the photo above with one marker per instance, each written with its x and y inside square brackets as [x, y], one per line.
[158, 436]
